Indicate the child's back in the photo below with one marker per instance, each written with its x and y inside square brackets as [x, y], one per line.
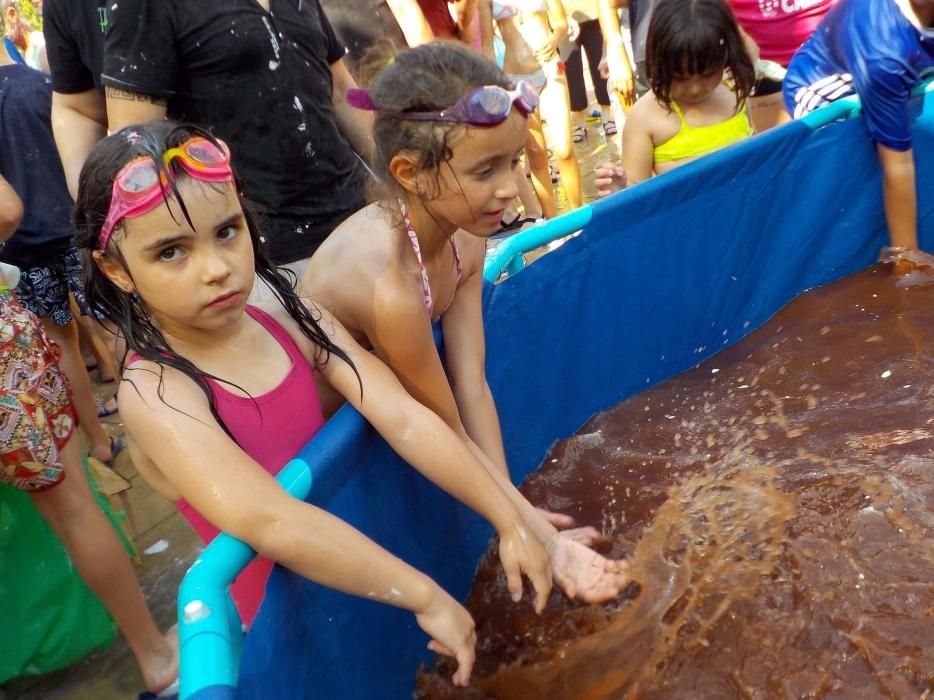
[876, 48]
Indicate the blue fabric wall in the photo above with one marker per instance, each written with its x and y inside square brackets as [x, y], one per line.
[666, 274]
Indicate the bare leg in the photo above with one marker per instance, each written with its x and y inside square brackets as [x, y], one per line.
[85, 403]
[556, 109]
[90, 339]
[537, 153]
[103, 565]
[767, 112]
[527, 196]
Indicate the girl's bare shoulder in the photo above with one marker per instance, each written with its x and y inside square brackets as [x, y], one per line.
[472, 252]
[362, 247]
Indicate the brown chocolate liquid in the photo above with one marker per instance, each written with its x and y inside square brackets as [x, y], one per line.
[777, 506]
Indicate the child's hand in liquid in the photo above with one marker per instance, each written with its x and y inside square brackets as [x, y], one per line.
[521, 552]
[609, 178]
[584, 574]
[565, 524]
[907, 260]
[451, 630]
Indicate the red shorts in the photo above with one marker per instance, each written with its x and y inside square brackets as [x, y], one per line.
[36, 414]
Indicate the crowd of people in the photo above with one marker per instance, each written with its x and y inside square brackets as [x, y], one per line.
[259, 208]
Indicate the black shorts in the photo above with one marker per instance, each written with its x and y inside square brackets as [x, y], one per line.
[766, 86]
[44, 289]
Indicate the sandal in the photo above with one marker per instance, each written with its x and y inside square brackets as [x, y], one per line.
[579, 135]
[506, 224]
[608, 128]
[554, 173]
[515, 225]
[116, 447]
[103, 411]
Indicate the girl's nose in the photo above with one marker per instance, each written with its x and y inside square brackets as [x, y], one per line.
[215, 267]
[507, 188]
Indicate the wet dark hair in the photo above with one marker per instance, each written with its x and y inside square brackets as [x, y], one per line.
[695, 37]
[428, 78]
[126, 311]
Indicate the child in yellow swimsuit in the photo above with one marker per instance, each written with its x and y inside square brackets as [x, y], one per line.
[700, 75]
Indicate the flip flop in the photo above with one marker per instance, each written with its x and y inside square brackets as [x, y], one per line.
[515, 225]
[116, 447]
[103, 411]
[503, 223]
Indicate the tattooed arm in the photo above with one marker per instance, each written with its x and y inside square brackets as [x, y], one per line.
[125, 107]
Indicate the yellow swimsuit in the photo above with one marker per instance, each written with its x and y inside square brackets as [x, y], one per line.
[693, 141]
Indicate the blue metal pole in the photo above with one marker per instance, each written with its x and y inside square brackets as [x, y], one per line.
[507, 255]
[210, 631]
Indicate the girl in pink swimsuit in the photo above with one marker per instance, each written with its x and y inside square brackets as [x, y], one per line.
[217, 395]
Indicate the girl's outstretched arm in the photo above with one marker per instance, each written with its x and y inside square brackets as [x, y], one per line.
[465, 357]
[181, 438]
[423, 440]
[899, 196]
[581, 572]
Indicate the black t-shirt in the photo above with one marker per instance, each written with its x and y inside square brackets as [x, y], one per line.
[358, 23]
[262, 81]
[29, 162]
[74, 40]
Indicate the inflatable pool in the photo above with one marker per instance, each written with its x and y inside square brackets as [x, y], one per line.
[662, 276]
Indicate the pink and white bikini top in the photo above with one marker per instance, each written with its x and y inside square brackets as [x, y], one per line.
[510, 8]
[505, 9]
[413, 239]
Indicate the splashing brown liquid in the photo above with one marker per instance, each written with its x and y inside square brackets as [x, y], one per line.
[777, 506]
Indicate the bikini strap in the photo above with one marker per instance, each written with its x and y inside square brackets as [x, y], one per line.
[413, 239]
[457, 259]
[677, 109]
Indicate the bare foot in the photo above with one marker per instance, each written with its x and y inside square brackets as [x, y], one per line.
[161, 670]
[102, 452]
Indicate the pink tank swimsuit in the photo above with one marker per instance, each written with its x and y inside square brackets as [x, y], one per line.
[266, 428]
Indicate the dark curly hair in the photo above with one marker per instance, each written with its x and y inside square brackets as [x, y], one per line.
[126, 312]
[695, 37]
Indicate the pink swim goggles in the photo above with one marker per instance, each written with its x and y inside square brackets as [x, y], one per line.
[483, 106]
[139, 186]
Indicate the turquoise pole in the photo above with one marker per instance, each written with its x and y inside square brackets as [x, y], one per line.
[210, 631]
[507, 256]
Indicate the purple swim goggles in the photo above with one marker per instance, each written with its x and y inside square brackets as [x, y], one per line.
[483, 106]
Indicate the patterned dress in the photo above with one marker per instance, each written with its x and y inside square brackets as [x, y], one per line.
[36, 414]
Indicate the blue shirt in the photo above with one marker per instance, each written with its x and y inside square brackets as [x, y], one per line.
[29, 162]
[867, 47]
